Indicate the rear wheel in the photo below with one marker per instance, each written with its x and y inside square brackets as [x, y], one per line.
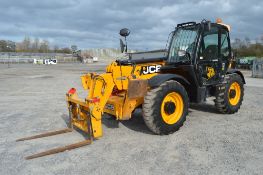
[165, 108]
[230, 96]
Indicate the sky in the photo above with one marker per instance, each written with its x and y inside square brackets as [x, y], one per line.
[96, 23]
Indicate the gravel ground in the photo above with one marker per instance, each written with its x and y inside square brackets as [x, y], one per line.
[33, 100]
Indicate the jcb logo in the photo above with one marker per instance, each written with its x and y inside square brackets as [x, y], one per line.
[150, 69]
[210, 72]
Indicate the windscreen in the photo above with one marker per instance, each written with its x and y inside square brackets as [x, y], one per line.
[183, 39]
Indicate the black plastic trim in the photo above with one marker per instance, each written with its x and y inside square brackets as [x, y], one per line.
[161, 78]
[139, 61]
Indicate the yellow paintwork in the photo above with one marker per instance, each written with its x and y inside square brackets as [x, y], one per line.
[177, 99]
[121, 74]
[122, 106]
[210, 72]
[86, 79]
[101, 87]
[235, 86]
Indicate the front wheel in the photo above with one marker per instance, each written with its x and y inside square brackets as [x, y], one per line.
[165, 108]
[230, 96]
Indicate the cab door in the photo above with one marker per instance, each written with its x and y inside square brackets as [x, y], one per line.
[225, 50]
[209, 63]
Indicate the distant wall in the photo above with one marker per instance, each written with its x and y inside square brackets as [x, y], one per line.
[106, 53]
[22, 57]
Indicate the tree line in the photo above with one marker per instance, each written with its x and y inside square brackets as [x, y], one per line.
[35, 46]
[247, 48]
[242, 48]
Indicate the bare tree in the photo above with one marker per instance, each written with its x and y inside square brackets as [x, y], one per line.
[237, 43]
[56, 48]
[247, 41]
[25, 45]
[74, 48]
[65, 50]
[35, 45]
[3, 45]
[44, 46]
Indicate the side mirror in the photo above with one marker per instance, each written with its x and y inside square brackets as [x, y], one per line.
[124, 32]
[183, 53]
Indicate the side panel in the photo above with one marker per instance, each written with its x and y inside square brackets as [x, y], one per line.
[137, 88]
[122, 73]
[122, 106]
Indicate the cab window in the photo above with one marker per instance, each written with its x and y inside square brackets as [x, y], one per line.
[224, 51]
[209, 45]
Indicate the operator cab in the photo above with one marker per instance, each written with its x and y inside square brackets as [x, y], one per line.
[202, 47]
[200, 53]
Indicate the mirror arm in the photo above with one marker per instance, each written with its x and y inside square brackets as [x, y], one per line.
[126, 46]
[124, 33]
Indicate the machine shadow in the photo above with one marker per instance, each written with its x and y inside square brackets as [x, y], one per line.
[110, 121]
[204, 107]
[65, 117]
[136, 122]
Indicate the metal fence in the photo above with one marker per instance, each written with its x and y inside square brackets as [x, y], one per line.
[17, 57]
[257, 69]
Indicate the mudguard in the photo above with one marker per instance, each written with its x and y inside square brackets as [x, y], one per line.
[231, 71]
[161, 78]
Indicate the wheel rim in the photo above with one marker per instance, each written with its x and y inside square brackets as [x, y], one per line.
[172, 108]
[234, 93]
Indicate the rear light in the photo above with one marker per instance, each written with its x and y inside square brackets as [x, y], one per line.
[94, 100]
[72, 91]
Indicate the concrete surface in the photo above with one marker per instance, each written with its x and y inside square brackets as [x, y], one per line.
[33, 100]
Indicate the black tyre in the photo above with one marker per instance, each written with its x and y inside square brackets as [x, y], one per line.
[165, 108]
[230, 95]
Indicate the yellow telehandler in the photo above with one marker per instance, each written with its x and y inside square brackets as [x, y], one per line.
[197, 65]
